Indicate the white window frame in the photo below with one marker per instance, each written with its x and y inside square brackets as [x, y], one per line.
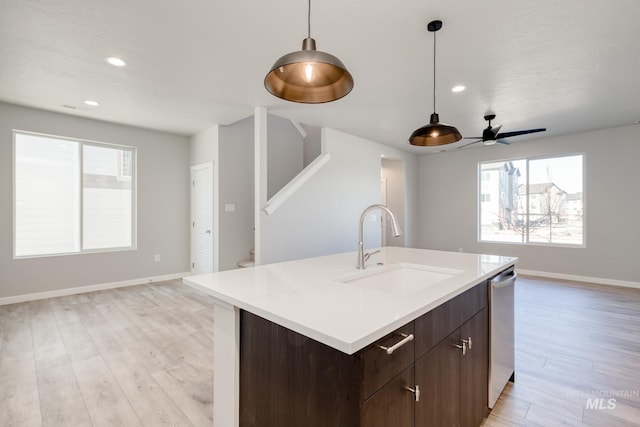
[528, 242]
[82, 143]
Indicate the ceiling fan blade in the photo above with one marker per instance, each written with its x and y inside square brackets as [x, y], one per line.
[474, 142]
[473, 137]
[503, 141]
[518, 132]
[496, 129]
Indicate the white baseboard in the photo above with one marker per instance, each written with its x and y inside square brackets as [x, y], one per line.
[576, 278]
[90, 288]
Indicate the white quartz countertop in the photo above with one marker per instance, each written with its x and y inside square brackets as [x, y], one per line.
[328, 299]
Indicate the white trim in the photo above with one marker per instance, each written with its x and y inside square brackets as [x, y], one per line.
[576, 278]
[89, 288]
[299, 128]
[260, 141]
[226, 362]
[70, 138]
[292, 186]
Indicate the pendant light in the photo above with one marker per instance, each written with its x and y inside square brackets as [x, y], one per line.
[308, 75]
[435, 133]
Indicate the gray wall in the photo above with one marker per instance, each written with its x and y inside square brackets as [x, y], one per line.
[284, 153]
[163, 207]
[235, 180]
[448, 203]
[312, 144]
[321, 218]
[203, 146]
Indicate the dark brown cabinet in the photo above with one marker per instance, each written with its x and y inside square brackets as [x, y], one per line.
[287, 379]
[393, 405]
[474, 371]
[438, 374]
[454, 377]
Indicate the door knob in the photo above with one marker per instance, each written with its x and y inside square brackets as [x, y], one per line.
[208, 231]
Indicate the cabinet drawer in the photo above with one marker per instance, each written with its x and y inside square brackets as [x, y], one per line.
[378, 367]
[435, 325]
[394, 405]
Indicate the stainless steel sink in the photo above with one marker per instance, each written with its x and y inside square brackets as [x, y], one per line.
[401, 278]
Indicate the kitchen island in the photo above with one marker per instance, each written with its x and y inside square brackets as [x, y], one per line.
[323, 314]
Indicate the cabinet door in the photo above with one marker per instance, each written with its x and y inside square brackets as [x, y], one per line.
[438, 375]
[474, 373]
[393, 405]
[443, 320]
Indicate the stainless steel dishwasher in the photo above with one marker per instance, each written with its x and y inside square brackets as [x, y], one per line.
[501, 338]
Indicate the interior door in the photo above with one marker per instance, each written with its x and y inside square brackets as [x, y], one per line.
[202, 218]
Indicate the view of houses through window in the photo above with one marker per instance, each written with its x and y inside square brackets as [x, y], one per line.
[72, 196]
[532, 201]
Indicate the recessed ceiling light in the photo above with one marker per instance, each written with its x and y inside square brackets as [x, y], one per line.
[458, 88]
[115, 61]
[91, 103]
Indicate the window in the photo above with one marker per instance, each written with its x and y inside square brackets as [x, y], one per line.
[72, 196]
[540, 201]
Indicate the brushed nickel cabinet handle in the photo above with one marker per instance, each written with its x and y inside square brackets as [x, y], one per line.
[467, 342]
[463, 347]
[405, 339]
[415, 391]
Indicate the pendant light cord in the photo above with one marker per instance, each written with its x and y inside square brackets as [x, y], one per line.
[309, 20]
[434, 71]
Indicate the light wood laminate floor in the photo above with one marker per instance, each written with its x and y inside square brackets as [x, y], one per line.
[575, 344]
[141, 356]
[135, 356]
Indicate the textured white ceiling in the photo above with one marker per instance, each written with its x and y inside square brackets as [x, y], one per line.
[569, 65]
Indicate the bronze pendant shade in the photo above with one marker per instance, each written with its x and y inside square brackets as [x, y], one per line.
[435, 133]
[309, 76]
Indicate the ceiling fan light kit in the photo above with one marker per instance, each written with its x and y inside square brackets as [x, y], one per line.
[435, 133]
[309, 76]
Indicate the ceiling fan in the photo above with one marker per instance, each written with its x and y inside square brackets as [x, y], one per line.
[491, 134]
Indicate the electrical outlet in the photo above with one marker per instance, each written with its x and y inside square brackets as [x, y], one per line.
[156, 258]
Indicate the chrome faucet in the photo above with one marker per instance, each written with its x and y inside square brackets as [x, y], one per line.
[394, 224]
